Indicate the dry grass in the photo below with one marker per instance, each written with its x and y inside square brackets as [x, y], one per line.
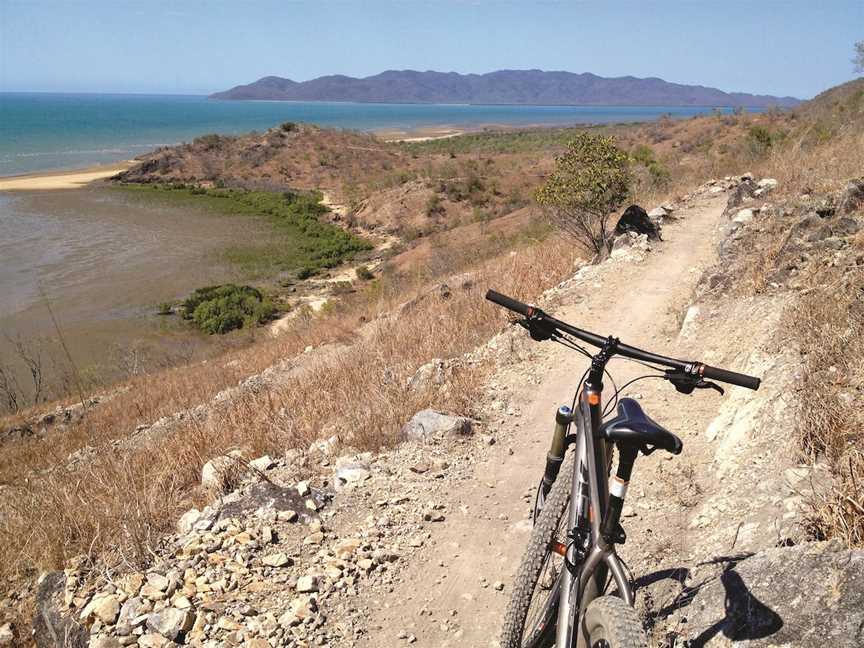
[118, 504]
[828, 323]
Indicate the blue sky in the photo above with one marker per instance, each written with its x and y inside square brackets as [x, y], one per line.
[786, 47]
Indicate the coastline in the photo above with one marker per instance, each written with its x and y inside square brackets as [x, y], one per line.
[66, 179]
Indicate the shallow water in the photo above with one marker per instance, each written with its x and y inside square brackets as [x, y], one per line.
[103, 261]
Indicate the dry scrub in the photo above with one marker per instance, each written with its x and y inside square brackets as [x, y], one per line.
[828, 324]
[825, 321]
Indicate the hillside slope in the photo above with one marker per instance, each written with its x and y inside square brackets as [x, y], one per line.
[501, 87]
[418, 545]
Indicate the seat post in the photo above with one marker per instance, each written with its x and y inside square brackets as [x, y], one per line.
[627, 454]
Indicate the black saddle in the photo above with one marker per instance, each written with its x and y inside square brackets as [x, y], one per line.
[633, 427]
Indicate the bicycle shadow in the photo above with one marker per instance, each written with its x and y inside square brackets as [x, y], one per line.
[745, 616]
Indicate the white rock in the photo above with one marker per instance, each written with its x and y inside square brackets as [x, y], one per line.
[104, 607]
[301, 608]
[133, 611]
[153, 640]
[352, 473]
[426, 424]
[262, 463]
[158, 581]
[658, 212]
[277, 560]
[431, 374]
[767, 183]
[187, 521]
[214, 472]
[171, 622]
[689, 323]
[307, 584]
[7, 635]
[325, 446]
[743, 216]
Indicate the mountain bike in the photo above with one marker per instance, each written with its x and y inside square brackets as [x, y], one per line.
[560, 594]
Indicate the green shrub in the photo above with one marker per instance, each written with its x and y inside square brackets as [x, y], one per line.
[643, 154]
[761, 139]
[364, 273]
[591, 180]
[434, 206]
[165, 308]
[209, 142]
[219, 309]
[288, 127]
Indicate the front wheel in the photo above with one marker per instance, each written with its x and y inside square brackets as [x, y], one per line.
[530, 618]
[611, 623]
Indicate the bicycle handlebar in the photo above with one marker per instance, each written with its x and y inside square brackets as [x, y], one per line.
[694, 368]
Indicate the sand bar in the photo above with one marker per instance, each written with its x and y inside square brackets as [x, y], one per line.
[61, 180]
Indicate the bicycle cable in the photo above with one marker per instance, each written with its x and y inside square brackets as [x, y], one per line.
[614, 396]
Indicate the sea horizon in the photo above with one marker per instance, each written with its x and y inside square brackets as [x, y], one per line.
[43, 132]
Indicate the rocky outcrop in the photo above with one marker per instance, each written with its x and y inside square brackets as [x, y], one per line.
[52, 626]
[811, 595]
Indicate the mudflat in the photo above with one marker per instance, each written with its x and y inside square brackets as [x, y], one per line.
[103, 261]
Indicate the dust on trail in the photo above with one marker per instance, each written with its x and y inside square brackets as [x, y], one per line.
[449, 598]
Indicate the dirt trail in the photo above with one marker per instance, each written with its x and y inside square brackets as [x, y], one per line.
[450, 598]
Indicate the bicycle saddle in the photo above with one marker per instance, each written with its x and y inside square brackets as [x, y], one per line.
[633, 427]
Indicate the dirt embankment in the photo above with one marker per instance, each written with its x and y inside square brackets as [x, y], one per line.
[418, 545]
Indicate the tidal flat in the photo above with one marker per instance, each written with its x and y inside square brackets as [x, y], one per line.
[93, 265]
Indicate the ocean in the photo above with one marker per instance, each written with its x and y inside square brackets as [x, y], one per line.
[46, 132]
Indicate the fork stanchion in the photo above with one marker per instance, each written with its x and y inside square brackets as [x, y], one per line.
[555, 456]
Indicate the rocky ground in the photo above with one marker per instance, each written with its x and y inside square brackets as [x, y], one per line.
[419, 545]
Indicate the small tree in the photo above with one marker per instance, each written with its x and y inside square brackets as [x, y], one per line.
[858, 59]
[591, 180]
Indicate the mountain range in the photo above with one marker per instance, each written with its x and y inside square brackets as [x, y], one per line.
[529, 87]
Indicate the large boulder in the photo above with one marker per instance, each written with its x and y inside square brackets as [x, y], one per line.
[428, 424]
[807, 595]
[635, 219]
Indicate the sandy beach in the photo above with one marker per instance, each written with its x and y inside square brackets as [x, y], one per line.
[62, 179]
[421, 134]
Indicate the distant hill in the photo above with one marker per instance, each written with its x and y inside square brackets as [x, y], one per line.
[530, 87]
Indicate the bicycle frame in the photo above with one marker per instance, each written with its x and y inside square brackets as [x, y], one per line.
[589, 496]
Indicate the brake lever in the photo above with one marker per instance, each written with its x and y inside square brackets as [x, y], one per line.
[685, 383]
[538, 329]
[707, 384]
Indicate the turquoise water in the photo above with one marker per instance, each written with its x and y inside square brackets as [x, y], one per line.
[42, 132]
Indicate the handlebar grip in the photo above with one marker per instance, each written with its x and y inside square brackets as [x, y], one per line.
[508, 302]
[742, 380]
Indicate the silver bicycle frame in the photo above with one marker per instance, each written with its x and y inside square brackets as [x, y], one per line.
[591, 463]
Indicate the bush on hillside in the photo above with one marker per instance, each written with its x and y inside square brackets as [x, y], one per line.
[590, 181]
[220, 309]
